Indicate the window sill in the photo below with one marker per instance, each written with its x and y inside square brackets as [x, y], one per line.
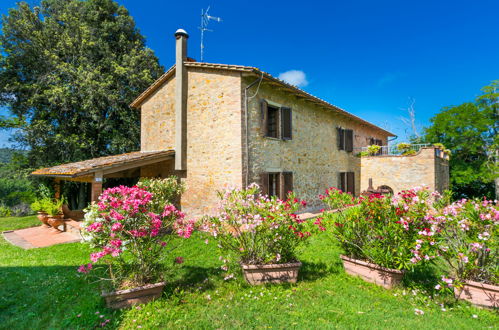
[272, 138]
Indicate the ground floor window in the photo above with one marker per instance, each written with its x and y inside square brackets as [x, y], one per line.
[347, 182]
[277, 183]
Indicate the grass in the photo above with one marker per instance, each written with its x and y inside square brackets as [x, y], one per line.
[40, 288]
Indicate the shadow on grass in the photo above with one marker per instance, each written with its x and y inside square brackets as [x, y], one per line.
[313, 271]
[192, 278]
[51, 296]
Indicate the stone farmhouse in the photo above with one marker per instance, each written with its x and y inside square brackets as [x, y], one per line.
[217, 126]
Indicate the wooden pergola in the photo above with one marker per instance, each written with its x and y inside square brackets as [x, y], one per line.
[95, 170]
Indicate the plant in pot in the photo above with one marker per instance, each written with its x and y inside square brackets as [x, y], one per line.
[379, 234]
[468, 232]
[258, 234]
[403, 147]
[373, 150]
[40, 206]
[54, 212]
[131, 244]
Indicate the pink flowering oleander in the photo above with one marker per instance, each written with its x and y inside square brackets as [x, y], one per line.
[122, 222]
[467, 231]
[253, 228]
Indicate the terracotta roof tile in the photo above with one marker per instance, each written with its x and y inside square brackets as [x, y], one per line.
[86, 167]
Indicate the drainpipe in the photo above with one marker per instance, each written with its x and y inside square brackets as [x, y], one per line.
[246, 114]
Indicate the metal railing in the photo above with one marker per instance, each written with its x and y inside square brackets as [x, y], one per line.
[393, 150]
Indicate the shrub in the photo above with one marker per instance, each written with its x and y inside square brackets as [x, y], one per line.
[403, 147]
[21, 210]
[380, 229]
[468, 241]
[409, 153]
[363, 154]
[4, 211]
[165, 191]
[373, 149]
[54, 207]
[252, 228]
[41, 204]
[130, 238]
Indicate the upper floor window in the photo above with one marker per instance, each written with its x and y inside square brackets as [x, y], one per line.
[276, 121]
[345, 139]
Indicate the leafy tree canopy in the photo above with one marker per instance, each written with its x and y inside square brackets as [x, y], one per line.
[68, 70]
[470, 131]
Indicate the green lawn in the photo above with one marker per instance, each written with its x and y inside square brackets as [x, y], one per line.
[40, 289]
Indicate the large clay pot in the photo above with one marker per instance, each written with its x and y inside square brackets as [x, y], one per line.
[56, 220]
[274, 273]
[480, 294]
[135, 296]
[43, 217]
[373, 273]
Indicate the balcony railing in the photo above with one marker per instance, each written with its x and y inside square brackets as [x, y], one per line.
[393, 150]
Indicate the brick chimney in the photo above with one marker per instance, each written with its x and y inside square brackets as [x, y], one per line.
[180, 100]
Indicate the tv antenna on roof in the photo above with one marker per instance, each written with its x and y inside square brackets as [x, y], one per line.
[205, 19]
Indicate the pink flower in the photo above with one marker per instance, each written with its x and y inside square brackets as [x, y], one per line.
[117, 243]
[116, 226]
[179, 260]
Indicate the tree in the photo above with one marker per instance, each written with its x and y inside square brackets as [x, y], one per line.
[468, 131]
[68, 70]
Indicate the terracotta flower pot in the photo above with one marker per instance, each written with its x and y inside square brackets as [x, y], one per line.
[56, 220]
[373, 273]
[135, 296]
[275, 273]
[480, 294]
[43, 217]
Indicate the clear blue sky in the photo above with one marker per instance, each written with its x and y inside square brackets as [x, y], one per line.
[368, 57]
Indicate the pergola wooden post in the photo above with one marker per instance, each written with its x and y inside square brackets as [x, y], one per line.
[57, 188]
[96, 186]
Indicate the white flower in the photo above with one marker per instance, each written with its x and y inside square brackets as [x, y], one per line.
[418, 311]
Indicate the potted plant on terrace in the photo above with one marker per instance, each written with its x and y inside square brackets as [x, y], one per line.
[40, 206]
[259, 233]
[54, 212]
[132, 242]
[379, 233]
[470, 246]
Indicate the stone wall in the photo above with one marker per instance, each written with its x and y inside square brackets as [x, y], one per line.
[157, 124]
[214, 152]
[404, 172]
[312, 155]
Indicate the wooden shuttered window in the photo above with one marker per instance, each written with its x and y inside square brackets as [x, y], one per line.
[286, 123]
[348, 140]
[343, 181]
[286, 184]
[264, 183]
[351, 182]
[340, 138]
[265, 117]
[277, 122]
[345, 139]
[347, 182]
[276, 184]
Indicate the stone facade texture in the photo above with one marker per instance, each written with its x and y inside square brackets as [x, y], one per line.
[218, 157]
[312, 154]
[428, 167]
[214, 153]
